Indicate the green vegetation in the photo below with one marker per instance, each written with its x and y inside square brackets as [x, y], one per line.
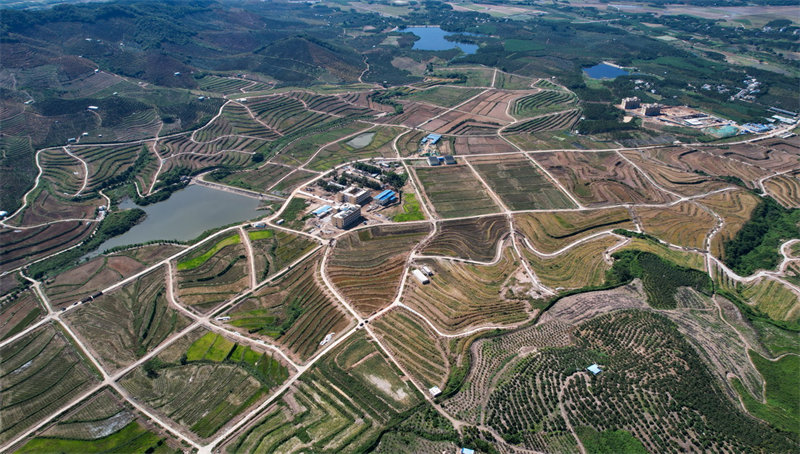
[661, 278]
[216, 348]
[609, 441]
[194, 261]
[411, 210]
[132, 438]
[260, 234]
[756, 244]
[782, 387]
[292, 212]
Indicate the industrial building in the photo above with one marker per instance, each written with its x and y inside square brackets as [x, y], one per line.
[449, 160]
[386, 197]
[353, 195]
[322, 211]
[431, 139]
[348, 216]
[631, 103]
[651, 110]
[433, 161]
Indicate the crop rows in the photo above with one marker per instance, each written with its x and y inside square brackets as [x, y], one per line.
[39, 373]
[381, 145]
[122, 326]
[224, 85]
[49, 206]
[84, 280]
[138, 125]
[235, 120]
[286, 115]
[550, 122]
[29, 244]
[684, 182]
[785, 189]
[273, 250]
[62, 170]
[106, 162]
[18, 312]
[521, 186]
[473, 239]
[549, 232]
[577, 267]
[735, 208]
[462, 295]
[332, 105]
[372, 256]
[542, 102]
[296, 311]
[455, 191]
[684, 224]
[774, 299]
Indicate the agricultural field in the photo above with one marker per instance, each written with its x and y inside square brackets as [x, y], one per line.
[476, 77]
[467, 145]
[287, 185]
[19, 311]
[462, 295]
[785, 189]
[520, 185]
[410, 210]
[287, 115]
[369, 256]
[47, 206]
[684, 224]
[756, 155]
[681, 181]
[549, 232]
[212, 273]
[491, 104]
[734, 207]
[236, 119]
[454, 191]
[681, 258]
[301, 150]
[542, 102]
[705, 162]
[105, 162]
[472, 239]
[24, 246]
[580, 266]
[508, 81]
[221, 390]
[101, 423]
[259, 180]
[601, 178]
[457, 122]
[122, 326]
[296, 311]
[415, 346]
[374, 143]
[774, 299]
[273, 250]
[39, 373]
[547, 122]
[443, 95]
[341, 405]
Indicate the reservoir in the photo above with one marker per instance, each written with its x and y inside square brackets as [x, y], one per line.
[185, 215]
[605, 71]
[432, 38]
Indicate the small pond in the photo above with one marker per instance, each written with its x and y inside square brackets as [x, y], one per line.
[605, 71]
[361, 140]
[433, 38]
[185, 215]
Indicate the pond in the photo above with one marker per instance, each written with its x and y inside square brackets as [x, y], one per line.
[185, 215]
[605, 71]
[433, 38]
[362, 140]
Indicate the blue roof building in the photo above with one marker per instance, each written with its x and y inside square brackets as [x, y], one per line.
[322, 211]
[431, 138]
[467, 451]
[594, 369]
[386, 197]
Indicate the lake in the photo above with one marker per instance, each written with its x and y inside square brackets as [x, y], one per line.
[605, 71]
[185, 215]
[432, 38]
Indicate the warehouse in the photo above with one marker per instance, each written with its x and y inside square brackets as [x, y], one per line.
[386, 197]
[420, 277]
[431, 139]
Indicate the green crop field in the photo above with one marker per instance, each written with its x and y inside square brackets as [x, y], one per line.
[194, 260]
[473, 239]
[412, 211]
[521, 186]
[274, 250]
[543, 102]
[455, 191]
[444, 96]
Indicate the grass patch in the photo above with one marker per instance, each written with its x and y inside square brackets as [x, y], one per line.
[132, 438]
[194, 262]
[260, 234]
[781, 409]
[616, 441]
[411, 210]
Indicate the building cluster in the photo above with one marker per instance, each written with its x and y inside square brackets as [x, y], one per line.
[750, 90]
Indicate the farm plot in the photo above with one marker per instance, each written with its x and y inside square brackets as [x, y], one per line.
[90, 277]
[472, 239]
[675, 179]
[601, 178]
[543, 102]
[735, 208]
[331, 105]
[258, 180]
[302, 149]
[444, 96]
[549, 232]
[580, 266]
[415, 346]
[685, 224]
[274, 250]
[366, 266]
[226, 380]
[224, 85]
[106, 162]
[18, 312]
[681, 258]
[47, 206]
[138, 125]
[24, 246]
[413, 115]
[463, 295]
[774, 299]
[296, 311]
[362, 99]
[460, 123]
[697, 160]
[286, 186]
[493, 104]
[102, 423]
[757, 155]
[455, 191]
[509, 81]
[641, 377]
[785, 189]
[61, 170]
[475, 77]
[482, 145]
[39, 373]
[122, 326]
[213, 273]
[287, 115]
[520, 185]
[197, 161]
[183, 146]
[236, 119]
[548, 122]
[341, 405]
[378, 143]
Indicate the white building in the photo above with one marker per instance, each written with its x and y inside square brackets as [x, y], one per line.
[420, 277]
